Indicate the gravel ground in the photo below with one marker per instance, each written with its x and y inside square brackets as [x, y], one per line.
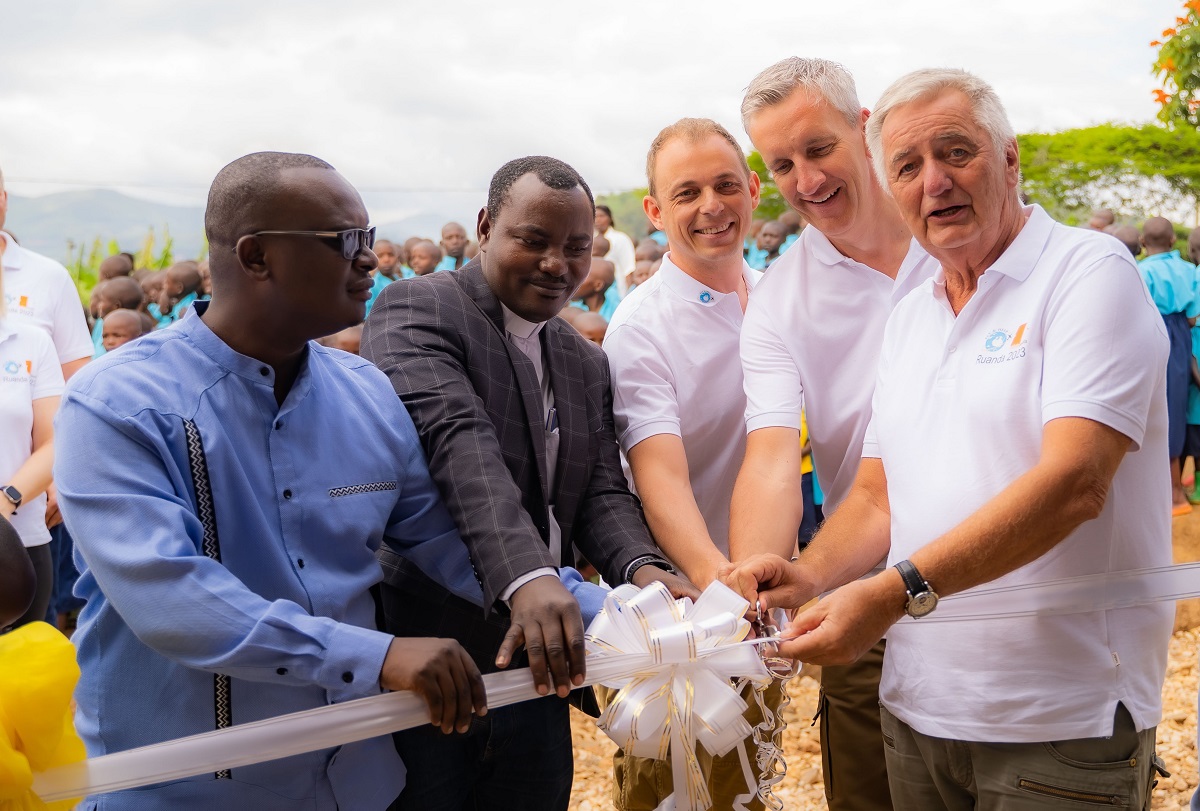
[802, 790]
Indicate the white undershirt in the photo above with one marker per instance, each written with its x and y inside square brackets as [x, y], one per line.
[526, 336]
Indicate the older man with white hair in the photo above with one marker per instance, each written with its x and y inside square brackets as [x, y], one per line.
[1017, 437]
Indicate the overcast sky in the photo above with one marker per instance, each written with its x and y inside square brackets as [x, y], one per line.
[435, 96]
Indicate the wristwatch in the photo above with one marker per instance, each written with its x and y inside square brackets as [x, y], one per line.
[13, 495]
[646, 560]
[922, 599]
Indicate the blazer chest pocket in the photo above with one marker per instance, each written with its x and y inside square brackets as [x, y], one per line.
[357, 489]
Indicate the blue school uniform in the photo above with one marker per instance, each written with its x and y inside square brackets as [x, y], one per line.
[1172, 284]
[98, 338]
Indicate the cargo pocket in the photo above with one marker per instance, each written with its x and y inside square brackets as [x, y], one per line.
[1077, 795]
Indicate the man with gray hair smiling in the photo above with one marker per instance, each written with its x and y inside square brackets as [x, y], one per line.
[810, 342]
[1017, 438]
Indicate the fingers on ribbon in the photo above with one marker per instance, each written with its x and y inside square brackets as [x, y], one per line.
[576, 648]
[429, 686]
[475, 681]
[557, 654]
[462, 695]
[681, 588]
[536, 650]
[513, 640]
[449, 704]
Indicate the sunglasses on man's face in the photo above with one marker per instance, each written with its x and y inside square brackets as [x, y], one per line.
[350, 242]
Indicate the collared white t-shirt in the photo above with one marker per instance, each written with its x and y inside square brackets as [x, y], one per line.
[29, 370]
[672, 348]
[811, 341]
[39, 291]
[1060, 326]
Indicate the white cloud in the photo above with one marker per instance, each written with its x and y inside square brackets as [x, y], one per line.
[436, 95]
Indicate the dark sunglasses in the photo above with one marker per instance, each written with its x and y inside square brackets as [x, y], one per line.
[351, 242]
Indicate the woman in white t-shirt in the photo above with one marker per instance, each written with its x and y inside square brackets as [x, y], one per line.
[31, 381]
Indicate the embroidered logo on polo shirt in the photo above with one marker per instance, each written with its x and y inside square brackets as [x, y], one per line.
[705, 297]
[17, 302]
[1000, 339]
[13, 371]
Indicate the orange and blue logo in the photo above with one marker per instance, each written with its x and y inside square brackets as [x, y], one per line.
[999, 339]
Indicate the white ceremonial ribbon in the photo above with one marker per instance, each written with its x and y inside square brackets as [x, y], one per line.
[690, 650]
[284, 736]
[338, 724]
[684, 695]
[1071, 595]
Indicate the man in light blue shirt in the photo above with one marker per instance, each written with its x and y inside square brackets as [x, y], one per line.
[226, 539]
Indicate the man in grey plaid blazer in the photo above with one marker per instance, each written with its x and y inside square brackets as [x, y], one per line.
[514, 410]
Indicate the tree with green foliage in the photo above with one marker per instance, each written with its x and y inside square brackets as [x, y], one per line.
[1178, 67]
[1148, 168]
[770, 202]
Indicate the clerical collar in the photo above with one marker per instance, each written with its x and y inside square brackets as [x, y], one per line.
[518, 326]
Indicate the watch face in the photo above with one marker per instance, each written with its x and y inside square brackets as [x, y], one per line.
[922, 604]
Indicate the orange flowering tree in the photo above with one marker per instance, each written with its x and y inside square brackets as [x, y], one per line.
[1178, 68]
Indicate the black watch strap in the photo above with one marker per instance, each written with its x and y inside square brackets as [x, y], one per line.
[646, 560]
[913, 582]
[13, 495]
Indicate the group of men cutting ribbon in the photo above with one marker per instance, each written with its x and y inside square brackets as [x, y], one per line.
[984, 389]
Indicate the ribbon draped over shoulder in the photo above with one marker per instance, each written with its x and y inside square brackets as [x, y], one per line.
[685, 695]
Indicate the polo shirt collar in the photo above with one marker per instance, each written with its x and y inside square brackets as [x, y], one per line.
[827, 254]
[693, 290]
[518, 326]
[14, 254]
[821, 248]
[1018, 259]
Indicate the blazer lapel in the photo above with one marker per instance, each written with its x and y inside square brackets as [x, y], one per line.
[476, 286]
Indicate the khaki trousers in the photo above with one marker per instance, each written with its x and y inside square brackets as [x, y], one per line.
[852, 759]
[936, 774]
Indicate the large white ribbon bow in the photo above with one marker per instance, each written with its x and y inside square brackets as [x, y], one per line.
[686, 695]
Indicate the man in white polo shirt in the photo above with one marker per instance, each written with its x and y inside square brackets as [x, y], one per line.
[1020, 416]
[678, 404]
[811, 341]
[39, 291]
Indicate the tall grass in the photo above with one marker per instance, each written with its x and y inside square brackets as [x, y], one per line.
[83, 262]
